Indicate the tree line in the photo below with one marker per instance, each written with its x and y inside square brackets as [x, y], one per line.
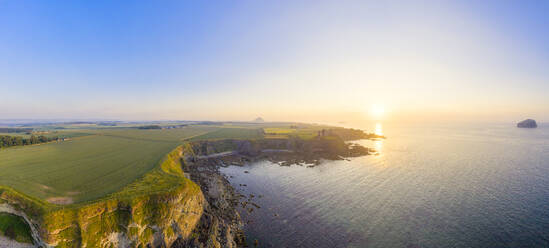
[15, 130]
[9, 141]
[150, 127]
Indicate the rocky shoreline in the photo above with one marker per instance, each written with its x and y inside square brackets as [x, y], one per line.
[221, 224]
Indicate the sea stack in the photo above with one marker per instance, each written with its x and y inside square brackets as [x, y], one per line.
[528, 123]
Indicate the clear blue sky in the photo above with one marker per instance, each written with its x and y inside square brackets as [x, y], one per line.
[282, 60]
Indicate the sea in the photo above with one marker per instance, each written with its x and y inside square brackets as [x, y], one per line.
[467, 185]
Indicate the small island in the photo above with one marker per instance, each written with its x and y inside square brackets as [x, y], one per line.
[528, 123]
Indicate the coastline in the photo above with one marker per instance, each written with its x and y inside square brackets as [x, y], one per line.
[187, 189]
[221, 222]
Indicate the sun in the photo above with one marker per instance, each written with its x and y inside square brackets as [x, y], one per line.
[377, 111]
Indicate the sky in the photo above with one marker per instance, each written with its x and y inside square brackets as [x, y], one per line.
[311, 61]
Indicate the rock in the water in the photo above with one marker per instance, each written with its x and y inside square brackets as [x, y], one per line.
[528, 123]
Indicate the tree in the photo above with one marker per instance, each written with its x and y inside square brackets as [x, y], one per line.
[18, 141]
[34, 140]
[42, 139]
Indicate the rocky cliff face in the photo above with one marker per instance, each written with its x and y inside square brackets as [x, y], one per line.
[220, 225]
[156, 220]
[528, 123]
[159, 210]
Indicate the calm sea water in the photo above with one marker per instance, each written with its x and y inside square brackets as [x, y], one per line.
[438, 186]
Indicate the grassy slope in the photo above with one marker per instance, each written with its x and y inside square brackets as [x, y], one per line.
[89, 167]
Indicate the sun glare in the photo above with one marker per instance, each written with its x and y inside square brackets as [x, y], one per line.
[377, 111]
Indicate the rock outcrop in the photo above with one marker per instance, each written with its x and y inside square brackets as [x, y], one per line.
[220, 225]
[528, 123]
[326, 147]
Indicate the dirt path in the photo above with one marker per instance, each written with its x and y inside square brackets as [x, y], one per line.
[216, 155]
[276, 150]
[229, 153]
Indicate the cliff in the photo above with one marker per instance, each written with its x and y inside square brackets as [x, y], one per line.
[155, 211]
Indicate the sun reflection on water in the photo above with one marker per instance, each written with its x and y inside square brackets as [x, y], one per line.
[378, 144]
[379, 129]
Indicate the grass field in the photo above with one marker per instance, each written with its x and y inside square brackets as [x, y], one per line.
[99, 161]
[15, 227]
[88, 167]
[232, 133]
[285, 132]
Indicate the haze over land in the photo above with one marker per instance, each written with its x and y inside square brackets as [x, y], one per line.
[295, 60]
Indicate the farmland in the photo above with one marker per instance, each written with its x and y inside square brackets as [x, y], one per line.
[89, 163]
[88, 167]
[232, 133]
[285, 132]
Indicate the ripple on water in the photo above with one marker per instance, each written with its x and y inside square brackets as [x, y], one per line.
[485, 187]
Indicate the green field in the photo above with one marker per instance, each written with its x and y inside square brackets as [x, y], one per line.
[232, 133]
[92, 163]
[14, 227]
[88, 167]
[308, 132]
